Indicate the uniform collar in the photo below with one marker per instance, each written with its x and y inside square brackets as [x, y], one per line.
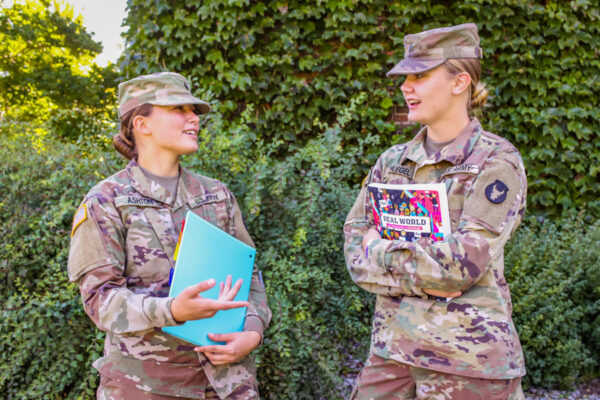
[187, 188]
[456, 152]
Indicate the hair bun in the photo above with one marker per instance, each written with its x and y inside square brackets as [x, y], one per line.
[124, 146]
[479, 96]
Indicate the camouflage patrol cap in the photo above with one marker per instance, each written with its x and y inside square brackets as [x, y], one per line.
[426, 50]
[160, 89]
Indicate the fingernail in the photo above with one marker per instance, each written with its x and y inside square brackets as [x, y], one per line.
[211, 281]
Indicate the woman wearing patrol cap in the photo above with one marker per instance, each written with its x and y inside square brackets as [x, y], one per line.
[442, 327]
[122, 245]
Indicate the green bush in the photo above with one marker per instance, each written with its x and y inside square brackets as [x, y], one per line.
[47, 343]
[553, 269]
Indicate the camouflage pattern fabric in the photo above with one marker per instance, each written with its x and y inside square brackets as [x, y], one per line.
[160, 89]
[111, 390]
[426, 50]
[471, 335]
[247, 391]
[121, 254]
[383, 379]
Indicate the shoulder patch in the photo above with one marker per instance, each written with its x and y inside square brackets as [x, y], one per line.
[80, 216]
[496, 191]
[494, 194]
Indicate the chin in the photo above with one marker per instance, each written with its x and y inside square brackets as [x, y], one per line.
[414, 119]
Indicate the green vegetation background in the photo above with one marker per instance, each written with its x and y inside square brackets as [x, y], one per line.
[302, 109]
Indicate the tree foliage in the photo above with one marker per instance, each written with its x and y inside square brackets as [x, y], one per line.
[46, 69]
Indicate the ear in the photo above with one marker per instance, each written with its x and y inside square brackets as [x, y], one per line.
[140, 125]
[462, 82]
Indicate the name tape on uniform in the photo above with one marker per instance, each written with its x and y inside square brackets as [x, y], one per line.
[136, 201]
[401, 170]
[207, 198]
[462, 169]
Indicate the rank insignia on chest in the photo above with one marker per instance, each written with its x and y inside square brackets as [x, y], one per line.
[80, 216]
[496, 192]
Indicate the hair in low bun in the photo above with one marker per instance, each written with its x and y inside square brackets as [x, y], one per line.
[472, 66]
[479, 96]
[124, 141]
[124, 146]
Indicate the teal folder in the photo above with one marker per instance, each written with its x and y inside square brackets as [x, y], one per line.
[206, 252]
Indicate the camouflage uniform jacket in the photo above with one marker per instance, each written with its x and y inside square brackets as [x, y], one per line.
[121, 255]
[473, 334]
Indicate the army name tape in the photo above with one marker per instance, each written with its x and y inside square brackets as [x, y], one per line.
[207, 198]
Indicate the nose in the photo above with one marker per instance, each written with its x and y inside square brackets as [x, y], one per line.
[406, 87]
[192, 117]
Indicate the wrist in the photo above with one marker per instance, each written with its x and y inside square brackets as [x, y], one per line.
[256, 339]
[174, 311]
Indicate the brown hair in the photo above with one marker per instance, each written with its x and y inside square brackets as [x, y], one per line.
[124, 141]
[472, 66]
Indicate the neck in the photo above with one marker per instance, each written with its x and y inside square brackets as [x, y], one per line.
[161, 165]
[447, 129]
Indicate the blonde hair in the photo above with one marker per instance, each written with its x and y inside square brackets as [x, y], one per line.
[124, 141]
[472, 66]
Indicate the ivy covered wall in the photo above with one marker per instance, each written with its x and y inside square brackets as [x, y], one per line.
[294, 61]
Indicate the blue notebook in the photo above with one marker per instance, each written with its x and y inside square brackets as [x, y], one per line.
[206, 252]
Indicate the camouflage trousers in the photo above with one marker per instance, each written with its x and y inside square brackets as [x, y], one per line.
[383, 379]
[112, 390]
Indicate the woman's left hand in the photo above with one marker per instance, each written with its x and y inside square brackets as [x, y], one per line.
[237, 346]
[372, 234]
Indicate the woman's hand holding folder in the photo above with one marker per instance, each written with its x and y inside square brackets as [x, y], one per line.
[237, 346]
[189, 305]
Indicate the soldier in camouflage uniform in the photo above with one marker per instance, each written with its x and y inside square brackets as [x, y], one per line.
[442, 327]
[122, 244]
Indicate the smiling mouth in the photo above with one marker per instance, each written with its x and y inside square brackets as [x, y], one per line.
[191, 132]
[412, 102]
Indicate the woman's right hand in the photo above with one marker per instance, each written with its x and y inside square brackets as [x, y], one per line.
[189, 305]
